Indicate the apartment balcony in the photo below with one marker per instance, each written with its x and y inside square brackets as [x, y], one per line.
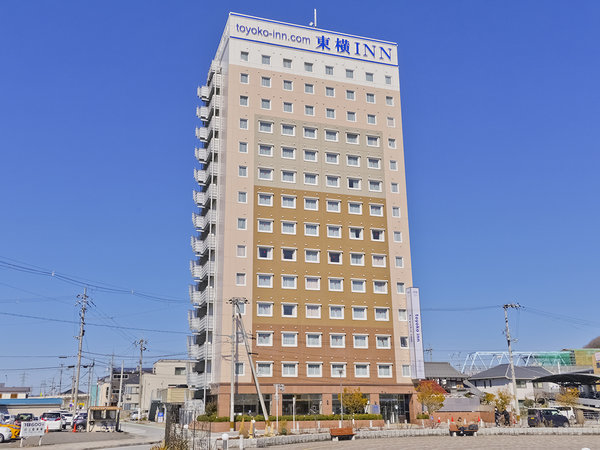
[200, 271]
[203, 154]
[214, 103]
[199, 352]
[202, 112]
[203, 176]
[203, 93]
[200, 298]
[201, 198]
[202, 133]
[200, 324]
[198, 380]
[200, 246]
[202, 221]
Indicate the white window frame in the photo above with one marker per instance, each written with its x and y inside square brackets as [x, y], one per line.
[258, 314]
[314, 363]
[264, 221]
[382, 347]
[292, 277]
[308, 278]
[381, 309]
[268, 276]
[264, 363]
[294, 333]
[288, 222]
[368, 374]
[383, 283]
[264, 333]
[342, 335]
[312, 317]
[295, 305]
[320, 335]
[359, 335]
[358, 280]
[336, 368]
[330, 227]
[386, 365]
[357, 254]
[332, 279]
[356, 316]
[311, 224]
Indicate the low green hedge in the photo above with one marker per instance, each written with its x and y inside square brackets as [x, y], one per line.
[299, 418]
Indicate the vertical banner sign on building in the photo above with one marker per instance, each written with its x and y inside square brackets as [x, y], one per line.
[415, 336]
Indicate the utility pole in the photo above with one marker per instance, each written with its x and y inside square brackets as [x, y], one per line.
[83, 301]
[142, 343]
[510, 356]
[121, 385]
[90, 373]
[234, 310]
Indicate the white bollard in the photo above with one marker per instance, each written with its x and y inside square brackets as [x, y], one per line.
[225, 438]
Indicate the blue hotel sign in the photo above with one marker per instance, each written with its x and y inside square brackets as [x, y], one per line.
[311, 39]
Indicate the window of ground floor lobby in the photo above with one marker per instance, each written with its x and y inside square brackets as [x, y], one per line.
[305, 404]
[250, 404]
[393, 407]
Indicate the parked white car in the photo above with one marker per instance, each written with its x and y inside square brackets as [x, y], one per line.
[52, 420]
[5, 434]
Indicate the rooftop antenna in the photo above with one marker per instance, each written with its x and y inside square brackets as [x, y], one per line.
[314, 22]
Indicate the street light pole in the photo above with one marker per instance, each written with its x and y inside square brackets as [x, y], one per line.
[510, 356]
[341, 399]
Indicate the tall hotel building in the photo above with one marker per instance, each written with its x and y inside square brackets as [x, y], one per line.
[302, 211]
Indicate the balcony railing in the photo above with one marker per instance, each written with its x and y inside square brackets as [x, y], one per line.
[199, 380]
[203, 92]
[203, 176]
[200, 298]
[201, 221]
[202, 112]
[202, 245]
[203, 154]
[200, 352]
[201, 198]
[200, 271]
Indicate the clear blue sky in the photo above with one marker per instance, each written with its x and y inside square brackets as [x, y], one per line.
[500, 104]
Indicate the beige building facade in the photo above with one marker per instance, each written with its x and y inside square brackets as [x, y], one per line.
[302, 211]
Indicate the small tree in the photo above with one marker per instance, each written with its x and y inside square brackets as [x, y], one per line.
[503, 399]
[354, 401]
[568, 397]
[430, 395]
[488, 398]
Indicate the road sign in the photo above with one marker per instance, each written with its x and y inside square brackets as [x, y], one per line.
[32, 428]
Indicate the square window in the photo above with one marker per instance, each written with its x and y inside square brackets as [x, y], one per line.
[288, 227]
[395, 211]
[361, 341]
[242, 171]
[353, 183]
[328, 70]
[383, 341]
[388, 79]
[288, 254]
[288, 107]
[313, 339]
[243, 147]
[310, 133]
[391, 122]
[352, 138]
[288, 153]
[332, 158]
[309, 88]
[370, 98]
[334, 206]
[350, 116]
[264, 252]
[382, 314]
[377, 235]
[243, 124]
[264, 338]
[311, 256]
[361, 370]
[330, 113]
[311, 204]
[368, 76]
[265, 199]
[356, 233]
[384, 370]
[375, 185]
[349, 73]
[289, 310]
[310, 155]
[378, 260]
[312, 283]
[389, 100]
[400, 290]
[264, 309]
[359, 313]
[397, 236]
[288, 281]
[265, 150]
[264, 369]
[374, 163]
[406, 370]
[371, 120]
[265, 59]
[337, 340]
[359, 286]
[334, 231]
[242, 197]
[287, 63]
[288, 176]
[310, 178]
[329, 92]
[243, 100]
[240, 279]
[393, 165]
[265, 103]
[350, 95]
[336, 284]
[353, 160]
[332, 181]
[311, 229]
[376, 210]
[314, 369]
[239, 369]
[334, 257]
[394, 188]
[338, 370]
[402, 315]
[244, 56]
[372, 141]
[265, 174]
[265, 225]
[288, 130]
[392, 143]
[308, 67]
[288, 201]
[403, 342]
[264, 280]
[265, 127]
[289, 339]
[265, 81]
[354, 208]
[331, 135]
[288, 85]
[241, 223]
[379, 287]
[240, 251]
[314, 312]
[309, 110]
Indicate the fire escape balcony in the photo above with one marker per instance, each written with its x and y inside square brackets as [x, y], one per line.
[202, 112]
[202, 221]
[201, 198]
[200, 324]
[203, 176]
[203, 154]
[200, 271]
[202, 245]
[203, 93]
[198, 380]
[200, 297]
